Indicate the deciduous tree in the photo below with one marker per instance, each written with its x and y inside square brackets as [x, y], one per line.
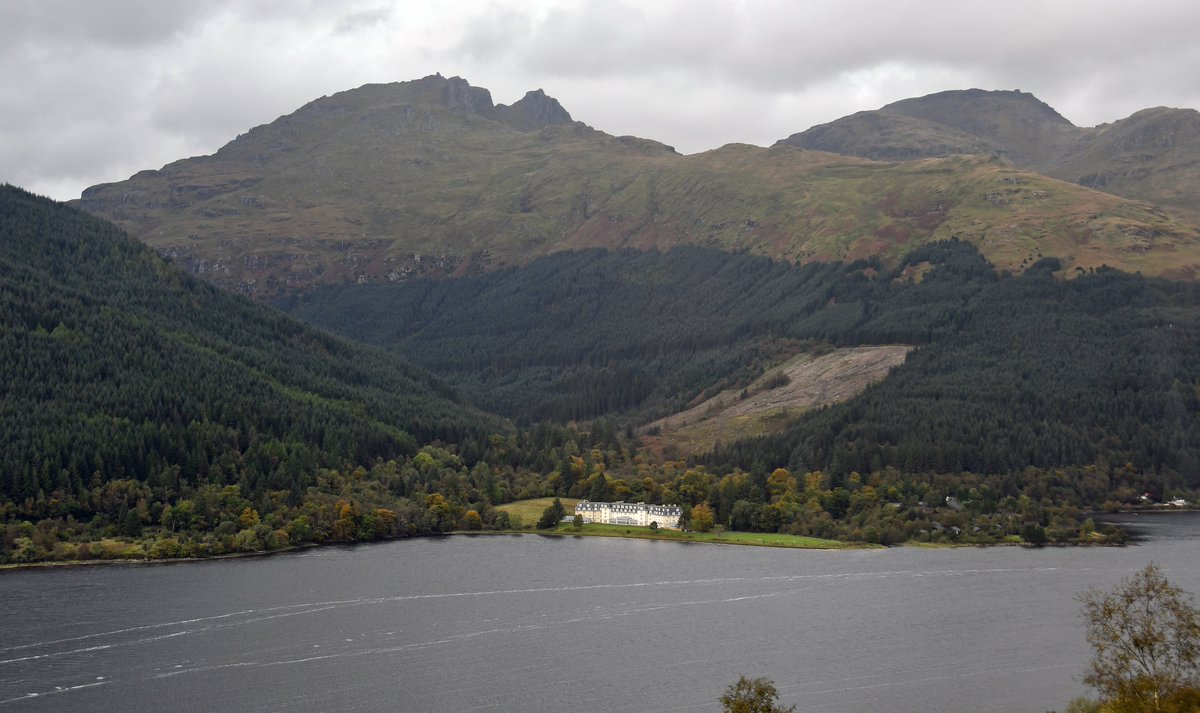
[1145, 637]
[702, 518]
[752, 695]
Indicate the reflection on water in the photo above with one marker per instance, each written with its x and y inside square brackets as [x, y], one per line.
[1157, 525]
[581, 624]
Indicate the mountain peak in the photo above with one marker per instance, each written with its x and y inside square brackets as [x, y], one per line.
[979, 110]
[534, 111]
[1013, 124]
[457, 93]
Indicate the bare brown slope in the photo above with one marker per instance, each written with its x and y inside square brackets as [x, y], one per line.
[768, 405]
[430, 177]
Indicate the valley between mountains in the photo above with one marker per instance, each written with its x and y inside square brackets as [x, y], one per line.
[404, 307]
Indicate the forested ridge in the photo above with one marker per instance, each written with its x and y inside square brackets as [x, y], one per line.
[1043, 372]
[1011, 371]
[129, 386]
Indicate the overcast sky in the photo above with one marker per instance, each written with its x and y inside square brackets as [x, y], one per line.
[96, 90]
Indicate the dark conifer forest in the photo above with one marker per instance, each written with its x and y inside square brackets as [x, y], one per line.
[1011, 371]
[148, 414]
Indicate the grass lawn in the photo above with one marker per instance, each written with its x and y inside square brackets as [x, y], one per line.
[759, 539]
[530, 511]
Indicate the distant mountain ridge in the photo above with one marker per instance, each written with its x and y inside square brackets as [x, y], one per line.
[1153, 155]
[430, 177]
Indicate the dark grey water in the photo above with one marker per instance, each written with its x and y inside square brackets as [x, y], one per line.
[545, 624]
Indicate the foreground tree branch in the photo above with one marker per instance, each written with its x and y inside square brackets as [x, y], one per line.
[1145, 637]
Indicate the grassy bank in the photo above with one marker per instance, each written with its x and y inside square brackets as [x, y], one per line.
[756, 539]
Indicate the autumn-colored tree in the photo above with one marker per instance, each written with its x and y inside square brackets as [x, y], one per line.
[387, 519]
[345, 526]
[702, 518]
[438, 510]
[781, 484]
[752, 695]
[1145, 638]
[472, 521]
[248, 518]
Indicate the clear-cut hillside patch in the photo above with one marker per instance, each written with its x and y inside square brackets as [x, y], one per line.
[774, 400]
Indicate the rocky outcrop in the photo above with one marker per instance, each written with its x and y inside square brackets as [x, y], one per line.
[534, 111]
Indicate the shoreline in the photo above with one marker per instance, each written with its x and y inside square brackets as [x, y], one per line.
[747, 539]
[832, 545]
[743, 539]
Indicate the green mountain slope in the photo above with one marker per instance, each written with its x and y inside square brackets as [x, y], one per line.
[388, 182]
[118, 367]
[1152, 155]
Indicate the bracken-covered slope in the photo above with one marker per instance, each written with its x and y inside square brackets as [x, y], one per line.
[1153, 155]
[116, 365]
[429, 177]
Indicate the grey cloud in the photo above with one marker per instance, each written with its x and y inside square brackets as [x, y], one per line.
[490, 36]
[778, 45]
[97, 90]
[365, 19]
[120, 23]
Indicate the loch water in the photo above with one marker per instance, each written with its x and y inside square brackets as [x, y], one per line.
[553, 624]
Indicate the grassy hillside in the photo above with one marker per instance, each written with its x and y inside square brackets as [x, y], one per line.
[1151, 155]
[388, 182]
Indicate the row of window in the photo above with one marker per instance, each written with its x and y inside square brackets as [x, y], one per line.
[627, 507]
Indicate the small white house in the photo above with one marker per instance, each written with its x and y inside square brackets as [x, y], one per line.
[623, 513]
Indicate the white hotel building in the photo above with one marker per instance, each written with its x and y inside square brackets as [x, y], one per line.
[622, 513]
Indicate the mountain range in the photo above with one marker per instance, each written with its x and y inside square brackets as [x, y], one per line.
[430, 177]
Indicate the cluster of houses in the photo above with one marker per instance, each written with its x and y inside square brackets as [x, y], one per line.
[623, 513]
[1148, 500]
